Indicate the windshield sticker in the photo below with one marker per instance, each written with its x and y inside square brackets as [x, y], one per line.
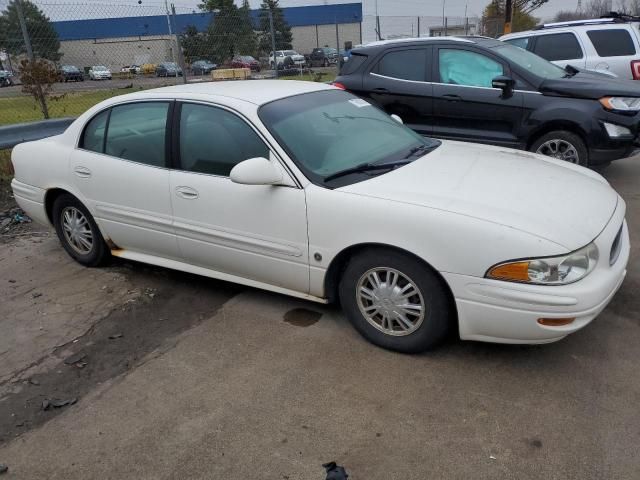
[358, 102]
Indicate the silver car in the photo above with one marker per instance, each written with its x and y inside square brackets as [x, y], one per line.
[606, 45]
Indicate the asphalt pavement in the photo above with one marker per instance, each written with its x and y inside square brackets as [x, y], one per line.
[184, 377]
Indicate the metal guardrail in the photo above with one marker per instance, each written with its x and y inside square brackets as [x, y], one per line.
[12, 135]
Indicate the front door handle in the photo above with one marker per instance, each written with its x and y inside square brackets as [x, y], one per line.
[82, 172]
[381, 90]
[187, 193]
[452, 98]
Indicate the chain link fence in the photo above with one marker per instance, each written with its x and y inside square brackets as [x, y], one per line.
[58, 59]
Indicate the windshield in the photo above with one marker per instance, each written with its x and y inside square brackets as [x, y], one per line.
[290, 52]
[531, 62]
[330, 131]
[170, 65]
[68, 68]
[247, 59]
[99, 68]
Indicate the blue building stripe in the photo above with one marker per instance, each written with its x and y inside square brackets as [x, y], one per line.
[157, 24]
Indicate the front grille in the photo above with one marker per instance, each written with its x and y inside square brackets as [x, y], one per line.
[616, 246]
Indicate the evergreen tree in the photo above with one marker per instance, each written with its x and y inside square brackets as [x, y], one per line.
[230, 32]
[44, 39]
[247, 39]
[282, 29]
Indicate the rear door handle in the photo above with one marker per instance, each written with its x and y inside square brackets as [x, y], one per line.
[82, 172]
[452, 98]
[187, 193]
[381, 90]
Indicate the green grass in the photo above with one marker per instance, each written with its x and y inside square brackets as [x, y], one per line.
[25, 109]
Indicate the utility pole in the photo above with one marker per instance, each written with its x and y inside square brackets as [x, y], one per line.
[273, 42]
[179, 48]
[444, 21]
[173, 54]
[508, 16]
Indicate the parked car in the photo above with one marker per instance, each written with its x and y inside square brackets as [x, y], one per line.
[297, 59]
[99, 72]
[333, 199]
[323, 57]
[202, 67]
[245, 61]
[70, 73]
[6, 78]
[610, 45]
[482, 90]
[132, 69]
[168, 69]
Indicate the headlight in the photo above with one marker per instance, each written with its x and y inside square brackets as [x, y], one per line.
[548, 271]
[625, 104]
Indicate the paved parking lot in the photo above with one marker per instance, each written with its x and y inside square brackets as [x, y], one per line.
[177, 376]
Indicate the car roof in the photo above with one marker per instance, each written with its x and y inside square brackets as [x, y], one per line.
[586, 23]
[469, 39]
[258, 92]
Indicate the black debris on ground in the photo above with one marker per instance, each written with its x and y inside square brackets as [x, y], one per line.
[335, 472]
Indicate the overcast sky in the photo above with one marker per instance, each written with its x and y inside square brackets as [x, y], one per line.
[73, 9]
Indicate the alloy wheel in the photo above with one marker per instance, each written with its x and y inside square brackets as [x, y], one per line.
[560, 149]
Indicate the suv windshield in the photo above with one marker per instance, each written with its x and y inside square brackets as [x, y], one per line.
[331, 131]
[533, 63]
[290, 52]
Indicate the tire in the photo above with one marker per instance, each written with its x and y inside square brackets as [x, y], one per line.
[325, 63]
[70, 207]
[427, 329]
[272, 66]
[569, 146]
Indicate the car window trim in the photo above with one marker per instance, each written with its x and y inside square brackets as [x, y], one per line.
[176, 139]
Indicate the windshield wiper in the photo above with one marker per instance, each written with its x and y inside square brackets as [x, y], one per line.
[420, 149]
[366, 167]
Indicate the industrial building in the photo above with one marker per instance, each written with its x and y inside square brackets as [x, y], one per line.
[116, 42]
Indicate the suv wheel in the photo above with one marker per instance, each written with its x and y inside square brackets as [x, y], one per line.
[78, 232]
[394, 301]
[562, 145]
[325, 63]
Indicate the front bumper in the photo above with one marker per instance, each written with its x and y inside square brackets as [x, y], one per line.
[505, 312]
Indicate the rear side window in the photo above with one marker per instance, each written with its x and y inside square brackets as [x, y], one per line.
[403, 64]
[519, 42]
[351, 65]
[93, 136]
[612, 43]
[137, 132]
[558, 46]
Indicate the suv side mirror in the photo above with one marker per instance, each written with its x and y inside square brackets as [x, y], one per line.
[257, 171]
[504, 83]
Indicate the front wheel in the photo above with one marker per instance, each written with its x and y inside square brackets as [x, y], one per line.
[396, 301]
[78, 232]
[562, 145]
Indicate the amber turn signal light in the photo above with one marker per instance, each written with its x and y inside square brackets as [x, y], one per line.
[555, 322]
[517, 271]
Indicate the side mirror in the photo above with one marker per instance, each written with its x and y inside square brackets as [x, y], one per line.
[397, 118]
[256, 171]
[504, 83]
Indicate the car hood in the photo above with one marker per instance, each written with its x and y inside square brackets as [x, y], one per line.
[560, 202]
[591, 85]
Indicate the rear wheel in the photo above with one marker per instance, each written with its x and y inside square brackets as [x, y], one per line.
[395, 302]
[78, 232]
[562, 145]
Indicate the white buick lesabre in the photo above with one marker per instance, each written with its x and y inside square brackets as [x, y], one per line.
[304, 189]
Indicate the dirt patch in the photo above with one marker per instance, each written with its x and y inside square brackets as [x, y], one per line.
[170, 303]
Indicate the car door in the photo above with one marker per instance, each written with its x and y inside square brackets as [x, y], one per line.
[397, 82]
[465, 105]
[121, 169]
[257, 232]
[562, 48]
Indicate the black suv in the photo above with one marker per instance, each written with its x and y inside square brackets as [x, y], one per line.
[322, 57]
[482, 90]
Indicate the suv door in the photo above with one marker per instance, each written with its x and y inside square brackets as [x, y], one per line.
[397, 82]
[256, 232]
[562, 48]
[121, 169]
[465, 105]
[615, 50]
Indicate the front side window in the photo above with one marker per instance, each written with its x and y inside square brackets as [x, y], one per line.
[462, 67]
[612, 43]
[213, 140]
[93, 136]
[137, 132]
[558, 46]
[404, 65]
[330, 131]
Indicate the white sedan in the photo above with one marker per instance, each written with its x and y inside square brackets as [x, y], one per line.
[99, 72]
[303, 189]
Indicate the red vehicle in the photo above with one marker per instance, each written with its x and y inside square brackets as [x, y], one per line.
[245, 61]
